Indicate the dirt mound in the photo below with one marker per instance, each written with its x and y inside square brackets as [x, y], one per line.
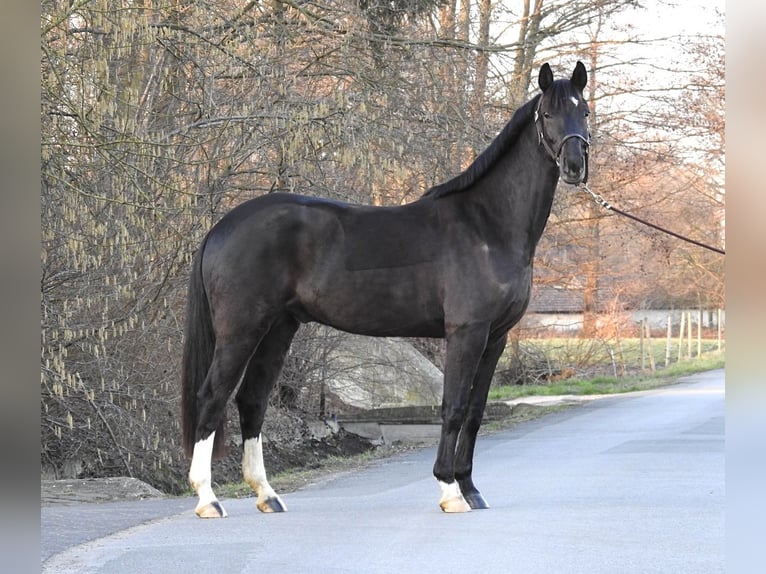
[311, 453]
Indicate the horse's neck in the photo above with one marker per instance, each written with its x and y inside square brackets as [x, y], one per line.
[518, 191]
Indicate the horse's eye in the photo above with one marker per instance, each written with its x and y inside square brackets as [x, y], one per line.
[546, 115]
[587, 113]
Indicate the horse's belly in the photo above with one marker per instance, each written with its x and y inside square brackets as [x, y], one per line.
[391, 302]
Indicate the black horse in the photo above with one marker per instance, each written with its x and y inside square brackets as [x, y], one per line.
[455, 264]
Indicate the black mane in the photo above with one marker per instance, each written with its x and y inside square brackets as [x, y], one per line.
[489, 156]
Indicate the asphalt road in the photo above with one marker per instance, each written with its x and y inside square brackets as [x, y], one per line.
[628, 484]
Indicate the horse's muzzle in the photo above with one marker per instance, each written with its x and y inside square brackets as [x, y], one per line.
[573, 160]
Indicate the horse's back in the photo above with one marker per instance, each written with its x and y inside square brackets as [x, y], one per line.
[271, 215]
[294, 228]
[363, 269]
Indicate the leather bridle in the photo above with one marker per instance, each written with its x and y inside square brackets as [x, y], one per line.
[555, 154]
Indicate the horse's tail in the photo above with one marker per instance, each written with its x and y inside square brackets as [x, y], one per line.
[199, 344]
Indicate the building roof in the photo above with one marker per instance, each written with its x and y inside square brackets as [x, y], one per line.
[555, 299]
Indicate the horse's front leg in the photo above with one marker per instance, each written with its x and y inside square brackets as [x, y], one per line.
[472, 423]
[465, 346]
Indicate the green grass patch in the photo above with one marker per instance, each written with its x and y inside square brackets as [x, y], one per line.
[602, 384]
[620, 355]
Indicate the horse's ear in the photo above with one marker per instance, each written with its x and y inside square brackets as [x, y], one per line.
[545, 79]
[579, 76]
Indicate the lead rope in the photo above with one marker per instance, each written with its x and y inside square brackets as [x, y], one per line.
[606, 205]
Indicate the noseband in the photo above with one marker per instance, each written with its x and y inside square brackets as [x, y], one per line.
[555, 154]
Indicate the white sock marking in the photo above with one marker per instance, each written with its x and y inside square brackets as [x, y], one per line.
[452, 499]
[200, 473]
[450, 490]
[254, 470]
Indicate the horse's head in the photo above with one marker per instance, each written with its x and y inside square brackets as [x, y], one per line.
[561, 119]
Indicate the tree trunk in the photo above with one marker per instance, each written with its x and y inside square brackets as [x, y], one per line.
[482, 63]
[526, 50]
[592, 268]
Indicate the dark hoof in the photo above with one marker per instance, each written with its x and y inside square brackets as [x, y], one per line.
[475, 500]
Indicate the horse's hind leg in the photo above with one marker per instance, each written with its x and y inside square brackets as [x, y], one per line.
[252, 399]
[229, 361]
[472, 423]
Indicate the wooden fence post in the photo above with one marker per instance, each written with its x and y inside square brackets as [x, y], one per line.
[689, 335]
[649, 345]
[681, 337]
[668, 340]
